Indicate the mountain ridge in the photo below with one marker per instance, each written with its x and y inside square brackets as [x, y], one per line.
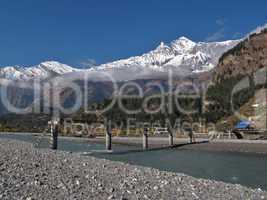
[182, 55]
[42, 71]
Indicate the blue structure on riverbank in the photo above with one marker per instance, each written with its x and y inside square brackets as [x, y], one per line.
[244, 124]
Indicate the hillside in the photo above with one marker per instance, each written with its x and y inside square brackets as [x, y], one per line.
[244, 59]
[255, 109]
[241, 72]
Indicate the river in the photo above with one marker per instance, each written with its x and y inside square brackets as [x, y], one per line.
[241, 168]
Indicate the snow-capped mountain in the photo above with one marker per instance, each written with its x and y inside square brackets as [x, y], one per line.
[183, 56]
[42, 71]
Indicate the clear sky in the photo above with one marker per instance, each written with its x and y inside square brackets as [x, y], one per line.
[81, 31]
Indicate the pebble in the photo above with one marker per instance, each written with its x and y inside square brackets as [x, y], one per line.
[155, 187]
[111, 197]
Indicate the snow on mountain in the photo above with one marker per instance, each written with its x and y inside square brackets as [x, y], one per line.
[182, 45]
[42, 71]
[12, 73]
[159, 56]
[183, 56]
[45, 69]
[181, 53]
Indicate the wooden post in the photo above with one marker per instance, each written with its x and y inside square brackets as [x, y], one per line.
[145, 139]
[108, 139]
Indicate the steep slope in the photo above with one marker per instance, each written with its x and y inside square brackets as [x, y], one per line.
[245, 59]
[241, 72]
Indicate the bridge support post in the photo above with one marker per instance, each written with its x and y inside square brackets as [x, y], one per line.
[229, 135]
[145, 139]
[54, 129]
[108, 140]
[170, 137]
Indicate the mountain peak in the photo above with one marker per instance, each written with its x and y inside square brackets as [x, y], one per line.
[50, 62]
[183, 38]
[52, 66]
[162, 45]
[183, 45]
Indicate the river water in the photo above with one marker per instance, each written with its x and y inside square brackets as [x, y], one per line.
[241, 168]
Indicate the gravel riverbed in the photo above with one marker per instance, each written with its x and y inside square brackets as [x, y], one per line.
[29, 173]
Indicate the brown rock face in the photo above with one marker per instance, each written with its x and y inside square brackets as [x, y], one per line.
[244, 59]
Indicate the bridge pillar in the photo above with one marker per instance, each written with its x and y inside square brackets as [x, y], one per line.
[170, 138]
[145, 139]
[108, 140]
[54, 129]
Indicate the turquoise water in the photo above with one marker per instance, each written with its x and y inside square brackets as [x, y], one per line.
[245, 169]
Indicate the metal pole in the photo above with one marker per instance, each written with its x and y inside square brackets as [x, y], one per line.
[145, 139]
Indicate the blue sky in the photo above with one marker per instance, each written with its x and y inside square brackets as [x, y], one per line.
[80, 31]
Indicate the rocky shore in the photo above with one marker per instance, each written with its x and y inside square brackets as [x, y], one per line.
[29, 173]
